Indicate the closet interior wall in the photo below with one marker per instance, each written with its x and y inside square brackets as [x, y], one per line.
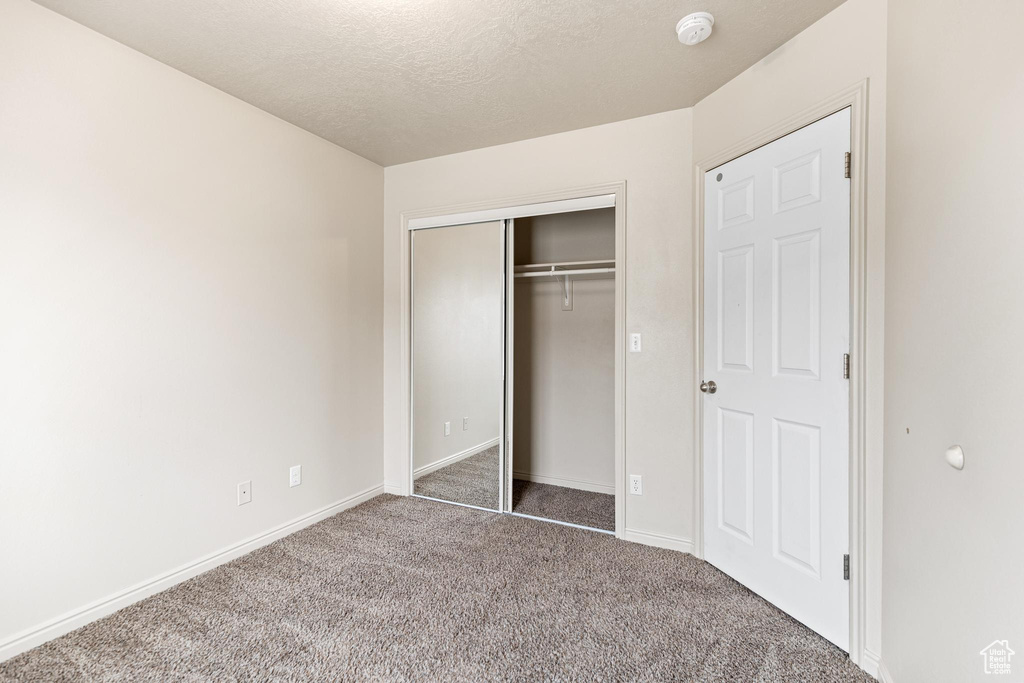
[564, 366]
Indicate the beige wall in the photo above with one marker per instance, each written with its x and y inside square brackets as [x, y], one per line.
[189, 298]
[458, 349]
[954, 331]
[652, 155]
[565, 360]
[844, 47]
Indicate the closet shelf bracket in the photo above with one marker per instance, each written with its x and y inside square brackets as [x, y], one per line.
[566, 291]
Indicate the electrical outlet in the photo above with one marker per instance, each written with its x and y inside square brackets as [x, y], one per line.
[245, 492]
[465, 424]
[635, 343]
[636, 485]
[447, 428]
[295, 475]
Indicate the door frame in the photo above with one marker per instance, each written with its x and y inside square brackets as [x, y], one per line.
[855, 97]
[510, 208]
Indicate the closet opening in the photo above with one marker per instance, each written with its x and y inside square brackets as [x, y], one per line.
[560, 373]
[516, 358]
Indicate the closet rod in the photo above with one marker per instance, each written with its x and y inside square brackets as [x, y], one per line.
[559, 273]
[527, 267]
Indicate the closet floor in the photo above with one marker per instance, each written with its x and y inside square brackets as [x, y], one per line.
[474, 481]
[471, 481]
[586, 508]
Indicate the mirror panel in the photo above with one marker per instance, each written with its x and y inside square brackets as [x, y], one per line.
[457, 358]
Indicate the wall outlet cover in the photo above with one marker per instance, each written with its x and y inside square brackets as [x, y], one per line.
[636, 485]
[245, 492]
[447, 428]
[295, 475]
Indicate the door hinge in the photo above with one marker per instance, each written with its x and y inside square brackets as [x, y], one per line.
[846, 166]
[846, 366]
[846, 567]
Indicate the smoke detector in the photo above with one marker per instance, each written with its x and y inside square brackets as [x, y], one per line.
[695, 28]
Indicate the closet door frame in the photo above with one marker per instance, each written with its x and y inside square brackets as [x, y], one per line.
[525, 205]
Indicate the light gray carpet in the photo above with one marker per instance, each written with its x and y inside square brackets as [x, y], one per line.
[409, 589]
[472, 480]
[586, 508]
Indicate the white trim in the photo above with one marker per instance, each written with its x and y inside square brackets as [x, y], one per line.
[855, 97]
[871, 663]
[448, 460]
[580, 484]
[620, 357]
[558, 521]
[602, 201]
[683, 545]
[883, 673]
[393, 490]
[69, 621]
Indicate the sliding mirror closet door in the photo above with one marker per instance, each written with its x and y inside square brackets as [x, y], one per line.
[457, 363]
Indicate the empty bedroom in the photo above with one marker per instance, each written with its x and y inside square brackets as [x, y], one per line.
[418, 340]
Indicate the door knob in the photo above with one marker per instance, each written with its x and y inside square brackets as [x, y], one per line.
[708, 387]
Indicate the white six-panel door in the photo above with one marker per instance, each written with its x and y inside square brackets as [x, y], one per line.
[776, 328]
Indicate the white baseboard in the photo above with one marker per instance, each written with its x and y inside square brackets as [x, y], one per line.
[69, 621]
[568, 483]
[444, 462]
[869, 662]
[883, 673]
[394, 489]
[683, 545]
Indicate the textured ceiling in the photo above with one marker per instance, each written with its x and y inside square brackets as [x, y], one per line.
[399, 80]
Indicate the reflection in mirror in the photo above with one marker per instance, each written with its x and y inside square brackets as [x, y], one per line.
[457, 362]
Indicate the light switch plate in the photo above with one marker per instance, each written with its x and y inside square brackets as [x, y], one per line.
[465, 424]
[447, 428]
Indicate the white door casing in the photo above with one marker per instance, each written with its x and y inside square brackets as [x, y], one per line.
[776, 328]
